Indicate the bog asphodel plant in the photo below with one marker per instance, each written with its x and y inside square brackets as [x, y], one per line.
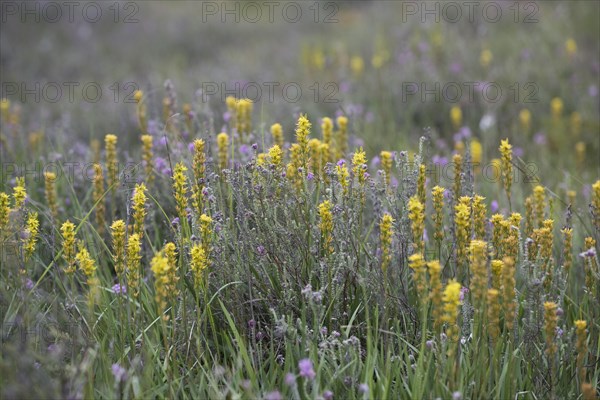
[139, 208]
[32, 229]
[596, 204]
[479, 276]
[4, 212]
[435, 292]
[110, 145]
[418, 265]
[341, 140]
[451, 300]
[386, 165]
[134, 248]
[581, 346]
[117, 231]
[343, 176]
[180, 190]
[19, 193]
[508, 292]
[302, 138]
[421, 184]
[50, 190]
[416, 214]
[462, 220]
[277, 134]
[199, 263]
[147, 157]
[68, 246]
[327, 131]
[507, 167]
[359, 168]
[163, 267]
[550, 324]
[386, 232]
[479, 216]
[222, 145]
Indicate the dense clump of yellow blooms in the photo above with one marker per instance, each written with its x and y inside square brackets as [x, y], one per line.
[275, 156]
[386, 165]
[86, 264]
[4, 211]
[139, 208]
[180, 190]
[590, 264]
[550, 324]
[19, 193]
[110, 146]
[479, 216]
[222, 145]
[486, 57]
[164, 273]
[277, 133]
[539, 204]
[507, 167]
[596, 203]
[476, 153]
[147, 157]
[98, 198]
[556, 108]
[50, 191]
[359, 168]
[117, 231]
[302, 137]
[243, 117]
[437, 194]
[496, 269]
[416, 214]
[134, 248]
[341, 137]
[32, 229]
[386, 232]
[451, 300]
[314, 146]
[206, 231]
[326, 226]
[68, 246]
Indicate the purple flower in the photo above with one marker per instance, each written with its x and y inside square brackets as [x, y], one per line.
[328, 395]
[306, 369]
[591, 252]
[119, 289]
[254, 146]
[463, 292]
[494, 206]
[191, 147]
[175, 222]
[28, 284]
[119, 372]
[290, 379]
[261, 250]
[335, 334]
[341, 162]
[363, 388]
[439, 160]
[251, 324]
[375, 161]
[162, 141]
[244, 149]
[456, 68]
[457, 396]
[593, 90]
[539, 138]
[430, 344]
[518, 152]
[274, 396]
[310, 176]
[324, 330]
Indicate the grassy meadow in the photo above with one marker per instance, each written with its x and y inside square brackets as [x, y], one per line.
[357, 201]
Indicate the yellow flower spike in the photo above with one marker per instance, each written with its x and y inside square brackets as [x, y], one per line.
[357, 65]
[231, 103]
[479, 216]
[386, 165]
[550, 324]
[19, 193]
[180, 190]
[437, 194]
[507, 167]
[277, 133]
[147, 158]
[581, 346]
[302, 138]
[486, 57]
[571, 47]
[417, 264]
[457, 162]
[525, 120]
[435, 294]
[539, 204]
[462, 220]
[359, 166]
[327, 130]
[164, 281]
[206, 231]
[568, 248]
[508, 292]
[496, 267]
[139, 208]
[110, 143]
[556, 107]
[343, 176]
[98, 198]
[341, 142]
[451, 300]
[117, 231]
[324, 157]
[138, 95]
[199, 263]
[199, 169]
[478, 252]
[4, 109]
[86, 263]
[493, 314]
[416, 214]
[580, 150]
[571, 195]
[314, 146]
[476, 153]
[32, 228]
[50, 190]
[386, 233]
[68, 245]
[421, 184]
[134, 248]
[4, 211]
[275, 156]
[456, 117]
[222, 145]
[588, 391]
[596, 203]
[590, 264]
[326, 226]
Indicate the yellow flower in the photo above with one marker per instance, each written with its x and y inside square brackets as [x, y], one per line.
[359, 165]
[421, 184]
[110, 142]
[486, 57]
[275, 156]
[139, 208]
[199, 169]
[508, 292]
[32, 228]
[180, 190]
[462, 220]
[147, 157]
[137, 96]
[539, 203]
[164, 273]
[244, 117]
[4, 108]
[596, 203]
[506, 153]
[302, 137]
[451, 300]
[437, 194]
[199, 262]
[341, 142]
[19, 193]
[343, 176]
[581, 346]
[568, 240]
[386, 232]
[86, 264]
[493, 313]
[417, 264]
[386, 165]
[476, 151]
[416, 214]
[357, 65]
[457, 162]
[117, 230]
[134, 247]
[277, 133]
[479, 216]
[314, 146]
[456, 117]
[479, 276]
[525, 120]
[222, 144]
[327, 130]
[326, 226]
[556, 106]
[4, 211]
[571, 47]
[50, 188]
[496, 273]
[98, 197]
[435, 284]
[550, 324]
[206, 231]
[68, 244]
